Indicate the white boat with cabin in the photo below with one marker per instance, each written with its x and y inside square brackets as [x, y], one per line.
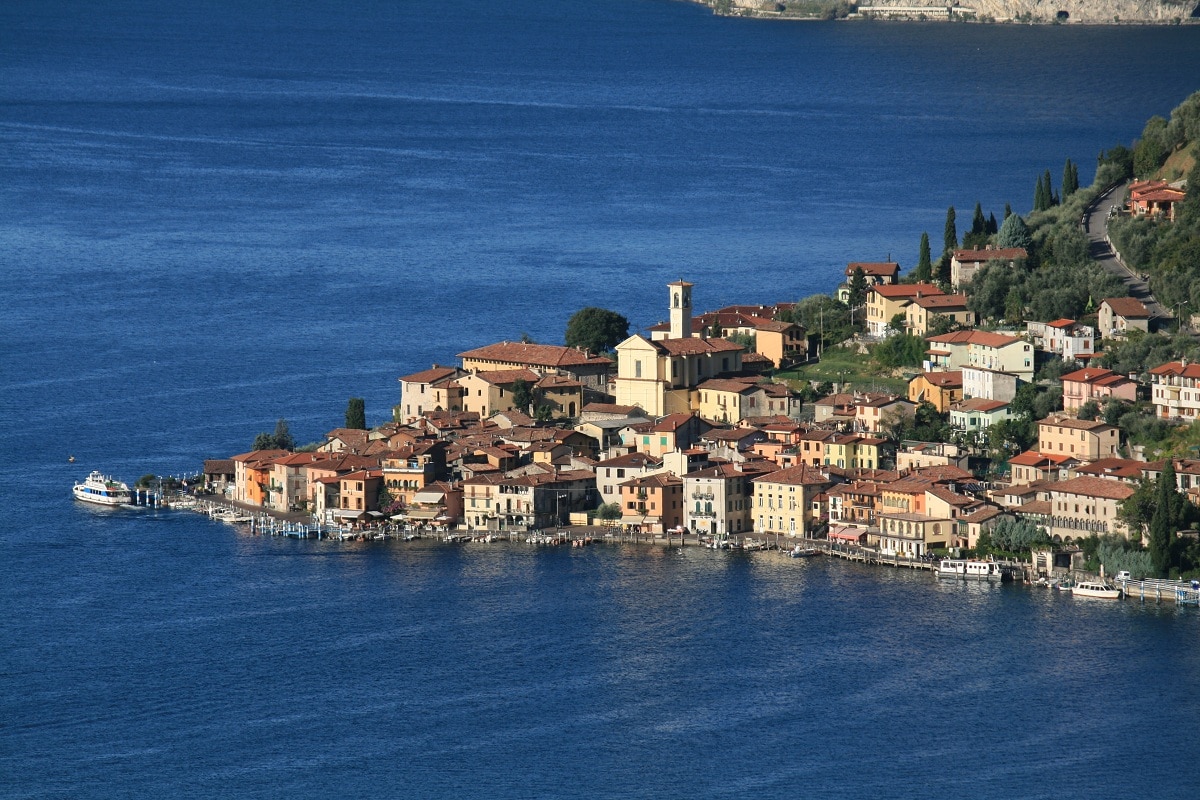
[1098, 589]
[102, 490]
[969, 570]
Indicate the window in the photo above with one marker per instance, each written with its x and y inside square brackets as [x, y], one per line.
[637, 368]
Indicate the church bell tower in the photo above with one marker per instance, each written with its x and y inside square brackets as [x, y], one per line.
[681, 309]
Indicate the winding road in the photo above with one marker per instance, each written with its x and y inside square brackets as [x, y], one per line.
[1095, 226]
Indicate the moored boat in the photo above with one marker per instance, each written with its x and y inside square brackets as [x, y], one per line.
[1097, 589]
[800, 551]
[102, 490]
[964, 569]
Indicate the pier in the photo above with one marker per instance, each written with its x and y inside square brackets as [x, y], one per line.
[1183, 593]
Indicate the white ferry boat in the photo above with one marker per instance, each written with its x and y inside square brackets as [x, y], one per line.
[1098, 589]
[102, 490]
[964, 569]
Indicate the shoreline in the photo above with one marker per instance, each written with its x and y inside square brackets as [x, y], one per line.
[938, 14]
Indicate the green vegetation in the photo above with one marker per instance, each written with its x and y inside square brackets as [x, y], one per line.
[924, 270]
[596, 330]
[825, 316]
[608, 511]
[281, 439]
[356, 414]
[950, 233]
[844, 365]
[1011, 538]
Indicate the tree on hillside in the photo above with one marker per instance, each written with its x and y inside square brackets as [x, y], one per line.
[596, 330]
[1050, 189]
[1040, 201]
[281, 439]
[1152, 149]
[992, 226]
[978, 221]
[950, 234]
[1007, 211]
[356, 414]
[1070, 179]
[858, 289]
[1014, 233]
[924, 271]
[1166, 519]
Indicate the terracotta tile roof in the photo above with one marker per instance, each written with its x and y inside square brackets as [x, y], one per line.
[540, 355]
[1127, 307]
[660, 479]
[893, 290]
[942, 380]
[985, 338]
[1123, 468]
[1063, 421]
[506, 377]
[1039, 507]
[942, 302]
[1177, 369]
[611, 408]
[1095, 376]
[692, 347]
[800, 475]
[432, 375]
[735, 385]
[878, 269]
[978, 256]
[631, 461]
[672, 423]
[1089, 486]
[1032, 458]
[1060, 323]
[979, 404]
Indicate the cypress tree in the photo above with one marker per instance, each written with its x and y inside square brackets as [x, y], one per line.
[1070, 180]
[356, 414]
[1167, 512]
[950, 237]
[1039, 196]
[978, 223]
[992, 226]
[1007, 210]
[924, 270]
[858, 289]
[1051, 197]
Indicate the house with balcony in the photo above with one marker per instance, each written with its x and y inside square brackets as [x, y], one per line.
[783, 500]
[874, 273]
[1033, 467]
[653, 503]
[986, 349]
[942, 389]
[913, 535]
[1064, 338]
[1119, 315]
[924, 313]
[252, 473]
[1085, 440]
[612, 472]
[1175, 390]
[886, 301]
[719, 498]
[976, 415]
[1154, 198]
[1094, 383]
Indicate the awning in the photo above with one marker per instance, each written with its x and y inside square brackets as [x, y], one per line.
[423, 513]
[846, 534]
[349, 513]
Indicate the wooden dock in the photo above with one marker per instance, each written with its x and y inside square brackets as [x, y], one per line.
[1183, 593]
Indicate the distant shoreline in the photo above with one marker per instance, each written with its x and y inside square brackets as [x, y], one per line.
[841, 10]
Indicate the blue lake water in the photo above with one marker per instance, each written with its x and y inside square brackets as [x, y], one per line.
[216, 215]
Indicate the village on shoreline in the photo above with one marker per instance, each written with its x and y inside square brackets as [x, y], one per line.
[1009, 400]
[704, 429]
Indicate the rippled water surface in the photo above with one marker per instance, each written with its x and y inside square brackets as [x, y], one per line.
[219, 214]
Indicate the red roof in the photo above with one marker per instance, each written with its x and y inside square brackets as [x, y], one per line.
[906, 289]
[541, 355]
[1127, 307]
[1177, 369]
[879, 269]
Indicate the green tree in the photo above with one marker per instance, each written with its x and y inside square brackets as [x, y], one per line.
[1041, 199]
[904, 350]
[1014, 233]
[1070, 179]
[858, 288]
[1165, 520]
[978, 221]
[608, 511]
[950, 234]
[924, 271]
[356, 414]
[596, 330]
[942, 271]
[1051, 196]
[992, 226]
[1089, 411]
[522, 394]
[281, 439]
